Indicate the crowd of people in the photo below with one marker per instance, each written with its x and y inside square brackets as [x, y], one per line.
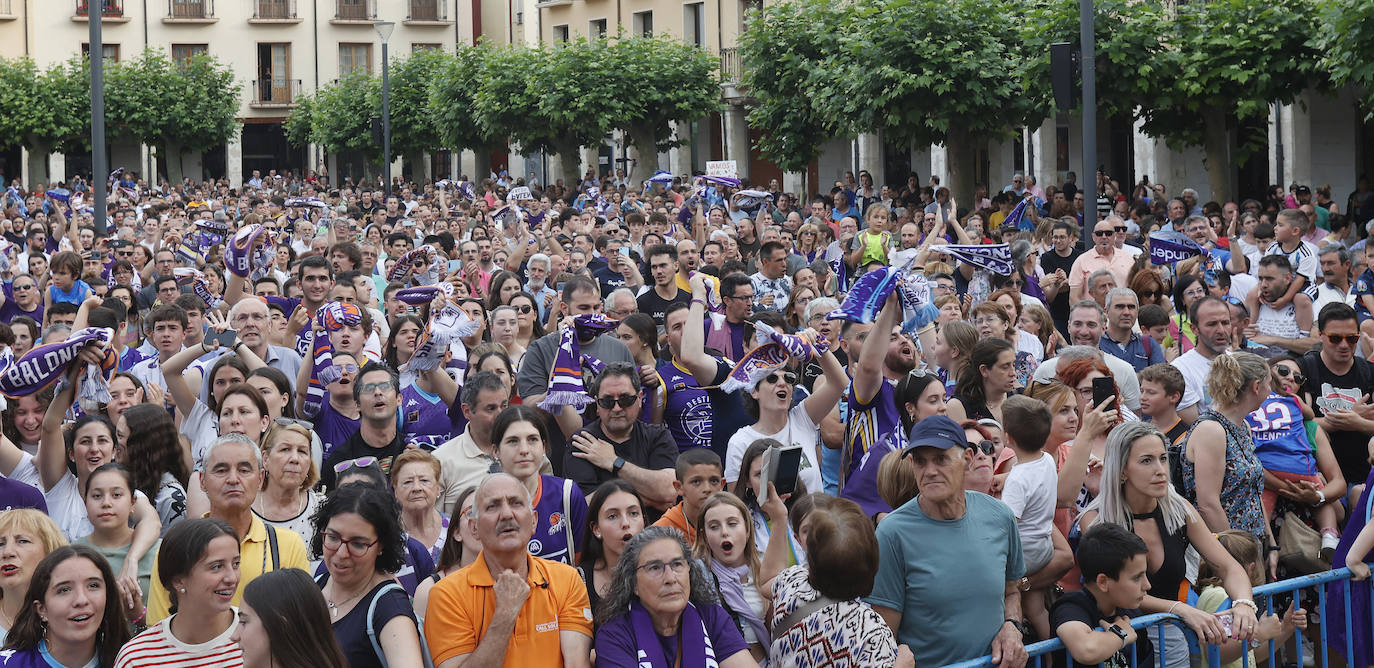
[674, 421]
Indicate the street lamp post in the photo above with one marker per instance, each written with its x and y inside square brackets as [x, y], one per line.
[94, 12]
[384, 29]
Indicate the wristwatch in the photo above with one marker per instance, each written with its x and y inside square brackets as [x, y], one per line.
[1017, 624]
[1120, 633]
[1023, 584]
[618, 464]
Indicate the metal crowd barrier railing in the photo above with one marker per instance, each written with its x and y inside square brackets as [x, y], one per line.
[1039, 652]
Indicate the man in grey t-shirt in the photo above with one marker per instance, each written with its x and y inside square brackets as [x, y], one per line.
[580, 295]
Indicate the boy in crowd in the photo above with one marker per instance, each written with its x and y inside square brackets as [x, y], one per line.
[1161, 388]
[1030, 493]
[1112, 560]
[699, 475]
[1154, 320]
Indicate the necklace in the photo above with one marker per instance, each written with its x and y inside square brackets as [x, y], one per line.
[334, 607]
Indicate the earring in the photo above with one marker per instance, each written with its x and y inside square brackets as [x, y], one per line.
[181, 589]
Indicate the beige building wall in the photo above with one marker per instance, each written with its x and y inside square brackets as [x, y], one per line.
[714, 24]
[14, 35]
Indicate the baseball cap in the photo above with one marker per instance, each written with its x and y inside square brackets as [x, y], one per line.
[936, 431]
[1304, 190]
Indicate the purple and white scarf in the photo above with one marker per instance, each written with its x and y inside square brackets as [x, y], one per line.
[567, 386]
[732, 592]
[424, 294]
[697, 650]
[239, 257]
[333, 316]
[45, 364]
[772, 351]
[446, 327]
[994, 258]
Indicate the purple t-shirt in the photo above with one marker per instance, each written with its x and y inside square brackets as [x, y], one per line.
[866, 432]
[550, 539]
[616, 646]
[15, 494]
[425, 418]
[333, 428]
[11, 310]
[26, 658]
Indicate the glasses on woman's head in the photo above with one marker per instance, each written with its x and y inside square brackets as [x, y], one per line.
[356, 546]
[287, 422]
[361, 462]
[986, 447]
[1287, 372]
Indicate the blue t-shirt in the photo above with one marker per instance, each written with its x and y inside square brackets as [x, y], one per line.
[35, 657]
[1281, 437]
[351, 629]
[917, 558]
[425, 418]
[80, 290]
[616, 645]
[550, 539]
[1364, 286]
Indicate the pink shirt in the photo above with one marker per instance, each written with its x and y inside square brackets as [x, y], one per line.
[1119, 264]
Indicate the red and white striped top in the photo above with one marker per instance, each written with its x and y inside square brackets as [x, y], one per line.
[158, 647]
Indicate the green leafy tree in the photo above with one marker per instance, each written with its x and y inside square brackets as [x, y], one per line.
[453, 104]
[28, 114]
[341, 115]
[578, 93]
[1346, 42]
[778, 50]
[413, 128]
[663, 81]
[299, 123]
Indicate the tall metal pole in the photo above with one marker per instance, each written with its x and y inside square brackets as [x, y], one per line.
[1085, 19]
[386, 119]
[94, 11]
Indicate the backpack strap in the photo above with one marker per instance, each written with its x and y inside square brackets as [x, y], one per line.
[567, 518]
[371, 628]
[800, 613]
[272, 546]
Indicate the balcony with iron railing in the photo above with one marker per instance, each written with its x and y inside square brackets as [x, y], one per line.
[111, 11]
[190, 11]
[428, 12]
[274, 11]
[355, 11]
[731, 68]
[276, 92]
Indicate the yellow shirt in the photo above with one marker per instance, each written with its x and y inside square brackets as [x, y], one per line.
[254, 560]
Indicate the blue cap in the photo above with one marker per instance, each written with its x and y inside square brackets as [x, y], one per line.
[936, 431]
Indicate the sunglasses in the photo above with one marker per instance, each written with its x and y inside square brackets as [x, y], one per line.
[788, 377]
[1149, 294]
[286, 422]
[361, 462]
[985, 447]
[1351, 339]
[1120, 228]
[523, 308]
[1103, 233]
[1285, 372]
[624, 401]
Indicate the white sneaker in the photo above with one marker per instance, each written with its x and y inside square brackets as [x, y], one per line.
[1329, 543]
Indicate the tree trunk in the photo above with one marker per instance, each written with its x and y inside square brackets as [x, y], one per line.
[571, 172]
[642, 139]
[419, 167]
[171, 159]
[1217, 145]
[959, 156]
[38, 163]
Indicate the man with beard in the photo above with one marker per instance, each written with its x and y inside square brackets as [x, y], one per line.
[876, 363]
[1211, 318]
[1289, 326]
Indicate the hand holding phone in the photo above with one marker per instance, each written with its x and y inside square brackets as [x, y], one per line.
[1104, 388]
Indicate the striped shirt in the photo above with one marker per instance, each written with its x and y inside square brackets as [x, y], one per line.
[1303, 258]
[158, 647]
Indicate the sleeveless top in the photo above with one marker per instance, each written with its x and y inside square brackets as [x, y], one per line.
[1170, 580]
[1241, 483]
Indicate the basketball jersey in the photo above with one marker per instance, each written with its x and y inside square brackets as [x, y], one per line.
[1281, 437]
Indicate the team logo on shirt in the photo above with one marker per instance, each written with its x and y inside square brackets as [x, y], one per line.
[413, 416]
[555, 523]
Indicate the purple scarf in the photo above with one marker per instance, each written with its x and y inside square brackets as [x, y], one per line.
[424, 294]
[867, 296]
[697, 651]
[566, 387]
[446, 327]
[239, 257]
[332, 317]
[405, 264]
[732, 592]
[45, 364]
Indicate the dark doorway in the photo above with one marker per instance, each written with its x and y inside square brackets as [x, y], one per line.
[1252, 173]
[896, 165]
[12, 167]
[265, 148]
[213, 164]
[1120, 162]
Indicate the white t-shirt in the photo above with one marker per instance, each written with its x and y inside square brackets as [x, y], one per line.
[26, 471]
[1030, 343]
[1194, 368]
[1030, 493]
[67, 507]
[201, 427]
[800, 430]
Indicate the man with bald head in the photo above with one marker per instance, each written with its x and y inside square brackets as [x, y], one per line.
[1103, 255]
[473, 615]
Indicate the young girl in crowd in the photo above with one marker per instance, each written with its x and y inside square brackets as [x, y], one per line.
[51, 631]
[614, 516]
[1212, 597]
[521, 440]
[725, 542]
[283, 622]
[109, 502]
[152, 449]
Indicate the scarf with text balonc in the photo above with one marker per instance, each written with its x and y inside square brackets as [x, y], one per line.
[994, 258]
[332, 317]
[697, 650]
[446, 327]
[45, 364]
[567, 386]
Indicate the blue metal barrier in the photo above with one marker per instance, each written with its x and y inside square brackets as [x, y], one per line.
[1263, 595]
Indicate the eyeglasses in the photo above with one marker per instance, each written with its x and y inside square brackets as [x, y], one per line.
[356, 546]
[788, 377]
[523, 308]
[361, 462]
[985, 447]
[1286, 372]
[749, 297]
[286, 422]
[654, 569]
[1103, 233]
[624, 401]
[1350, 339]
[347, 368]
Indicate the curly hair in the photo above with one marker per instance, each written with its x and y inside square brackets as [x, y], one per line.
[378, 508]
[153, 448]
[624, 580]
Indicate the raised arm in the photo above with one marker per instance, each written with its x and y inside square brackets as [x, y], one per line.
[173, 371]
[868, 377]
[52, 447]
[692, 354]
[828, 388]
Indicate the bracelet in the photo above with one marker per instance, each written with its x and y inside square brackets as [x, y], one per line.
[1171, 608]
[1321, 497]
[699, 301]
[140, 617]
[1246, 602]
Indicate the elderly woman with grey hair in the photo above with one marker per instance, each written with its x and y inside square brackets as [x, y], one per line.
[662, 610]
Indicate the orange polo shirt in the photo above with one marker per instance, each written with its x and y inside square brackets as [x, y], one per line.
[461, 607]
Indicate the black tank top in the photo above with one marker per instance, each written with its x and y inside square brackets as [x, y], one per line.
[1170, 580]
